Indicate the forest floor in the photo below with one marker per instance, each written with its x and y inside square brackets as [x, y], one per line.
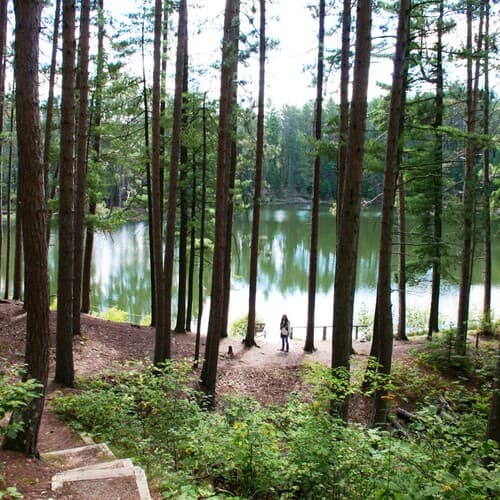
[264, 372]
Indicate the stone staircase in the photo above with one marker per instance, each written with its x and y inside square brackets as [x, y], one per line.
[92, 472]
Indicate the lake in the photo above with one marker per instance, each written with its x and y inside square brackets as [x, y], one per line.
[121, 277]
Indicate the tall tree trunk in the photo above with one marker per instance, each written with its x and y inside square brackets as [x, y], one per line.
[383, 327]
[313, 252]
[163, 105]
[343, 106]
[81, 162]
[227, 128]
[148, 175]
[438, 184]
[34, 207]
[3, 44]
[9, 208]
[96, 156]
[468, 202]
[50, 107]
[349, 223]
[401, 332]
[259, 157]
[202, 232]
[161, 340]
[487, 326]
[18, 250]
[180, 75]
[87, 262]
[192, 246]
[180, 326]
[229, 229]
[65, 272]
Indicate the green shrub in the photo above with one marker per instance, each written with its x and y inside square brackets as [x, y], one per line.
[440, 354]
[297, 450]
[15, 393]
[114, 314]
[238, 327]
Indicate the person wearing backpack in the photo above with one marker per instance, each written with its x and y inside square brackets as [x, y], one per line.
[284, 332]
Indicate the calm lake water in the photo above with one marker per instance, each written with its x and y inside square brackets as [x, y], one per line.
[121, 277]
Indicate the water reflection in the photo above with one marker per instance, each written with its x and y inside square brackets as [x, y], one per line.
[121, 274]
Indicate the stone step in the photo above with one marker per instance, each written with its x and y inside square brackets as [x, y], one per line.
[72, 458]
[122, 483]
[92, 472]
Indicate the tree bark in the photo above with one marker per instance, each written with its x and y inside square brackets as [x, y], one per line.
[487, 326]
[313, 252]
[65, 273]
[259, 157]
[50, 107]
[202, 232]
[18, 250]
[180, 75]
[466, 260]
[34, 208]
[180, 326]
[3, 43]
[192, 245]
[9, 210]
[383, 326]
[343, 107]
[81, 162]
[229, 229]
[438, 185]
[227, 127]
[401, 332]
[160, 351]
[96, 156]
[347, 241]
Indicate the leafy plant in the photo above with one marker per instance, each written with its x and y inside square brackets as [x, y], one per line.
[238, 327]
[113, 314]
[15, 392]
[441, 355]
[9, 493]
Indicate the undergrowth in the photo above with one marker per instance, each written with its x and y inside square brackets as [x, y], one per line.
[295, 451]
[16, 391]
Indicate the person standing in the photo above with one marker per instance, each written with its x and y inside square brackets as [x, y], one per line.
[284, 332]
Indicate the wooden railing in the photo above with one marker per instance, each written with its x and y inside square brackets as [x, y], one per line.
[356, 329]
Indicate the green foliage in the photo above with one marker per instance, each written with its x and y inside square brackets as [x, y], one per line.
[146, 321]
[413, 384]
[442, 356]
[365, 317]
[16, 391]
[113, 314]
[9, 493]
[416, 320]
[238, 327]
[298, 450]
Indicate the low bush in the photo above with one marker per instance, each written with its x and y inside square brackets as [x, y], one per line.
[16, 391]
[289, 452]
